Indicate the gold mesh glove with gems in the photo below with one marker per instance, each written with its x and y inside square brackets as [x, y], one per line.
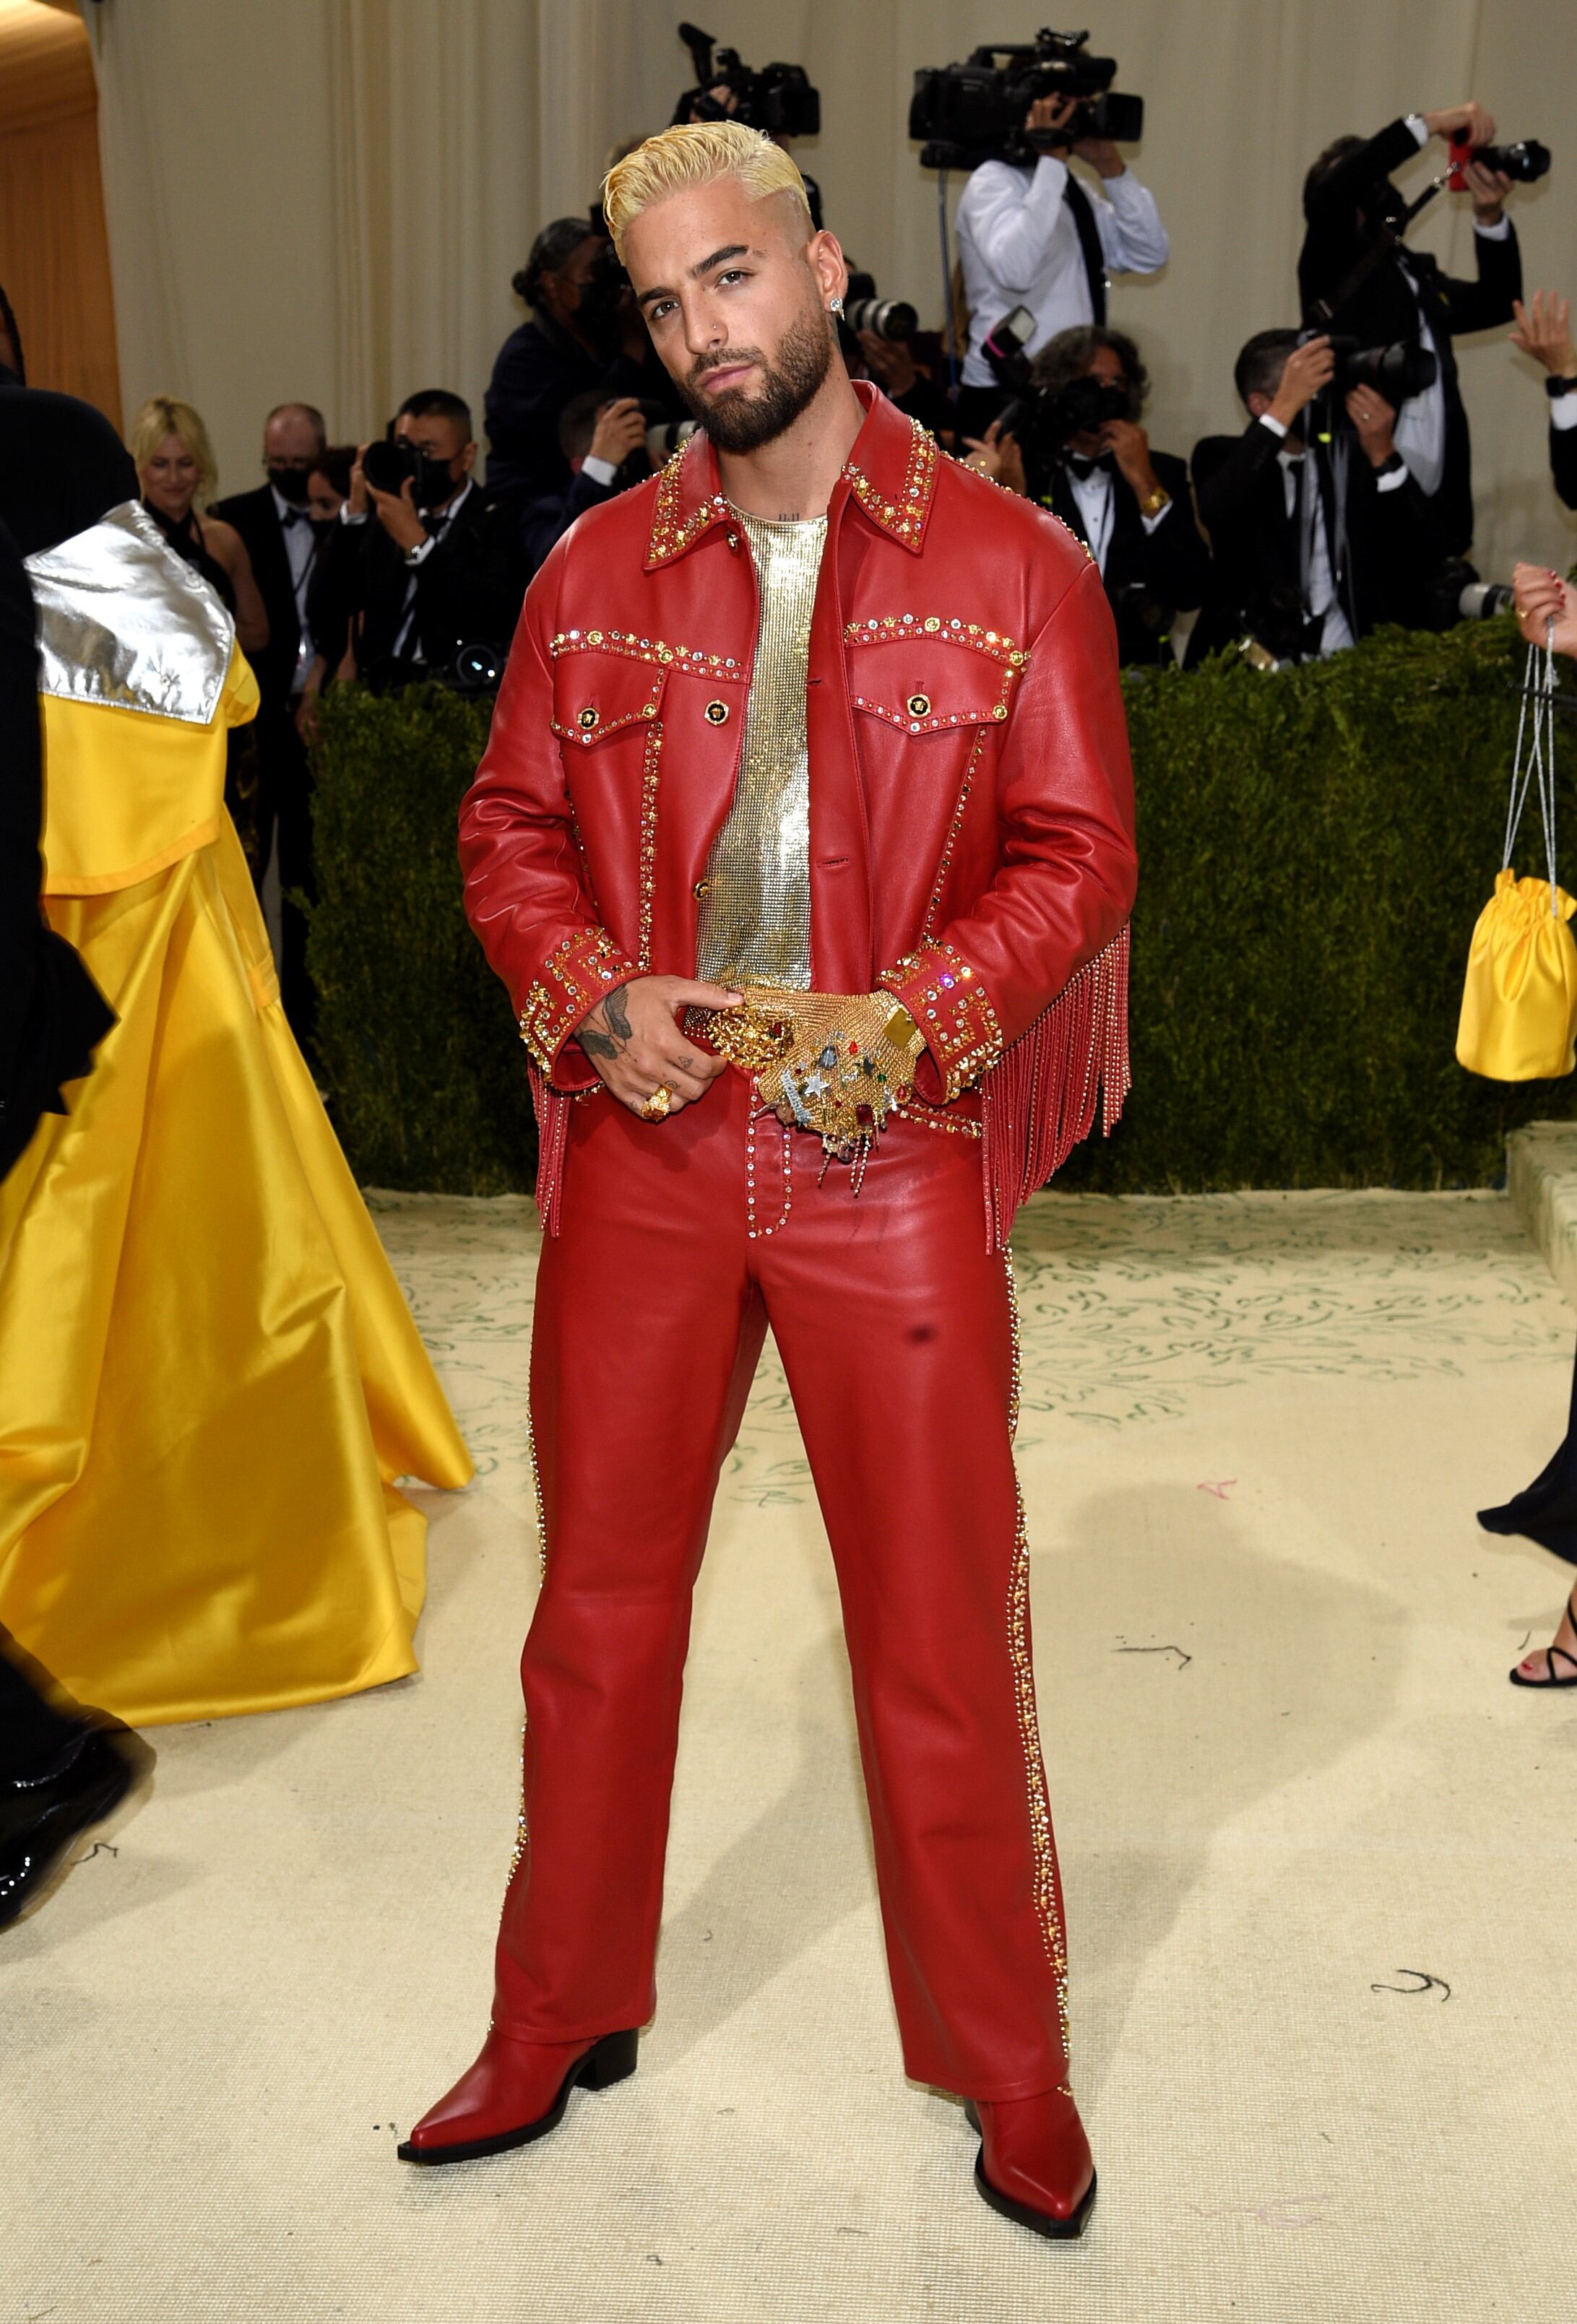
[833, 1063]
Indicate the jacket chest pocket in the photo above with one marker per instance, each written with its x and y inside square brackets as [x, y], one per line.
[605, 699]
[925, 677]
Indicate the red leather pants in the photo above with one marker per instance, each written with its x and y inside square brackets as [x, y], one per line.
[895, 1332]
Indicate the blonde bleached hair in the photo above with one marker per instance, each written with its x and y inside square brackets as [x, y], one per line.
[694, 153]
[166, 415]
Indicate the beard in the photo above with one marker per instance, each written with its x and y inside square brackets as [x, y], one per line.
[737, 422]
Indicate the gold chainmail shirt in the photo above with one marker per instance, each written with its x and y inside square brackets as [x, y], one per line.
[755, 919]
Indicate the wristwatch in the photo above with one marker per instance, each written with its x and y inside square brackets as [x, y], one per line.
[1154, 502]
[1555, 388]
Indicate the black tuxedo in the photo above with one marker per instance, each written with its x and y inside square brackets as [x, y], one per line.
[1563, 463]
[284, 773]
[1385, 307]
[539, 369]
[257, 520]
[1166, 570]
[1392, 541]
[546, 521]
[468, 591]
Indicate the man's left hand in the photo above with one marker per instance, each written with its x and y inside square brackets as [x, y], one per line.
[396, 512]
[1101, 155]
[1130, 446]
[1489, 188]
[889, 361]
[1374, 420]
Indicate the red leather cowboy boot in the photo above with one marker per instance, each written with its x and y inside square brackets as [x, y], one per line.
[516, 2091]
[1034, 2163]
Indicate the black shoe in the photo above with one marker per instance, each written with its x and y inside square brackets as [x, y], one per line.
[50, 1816]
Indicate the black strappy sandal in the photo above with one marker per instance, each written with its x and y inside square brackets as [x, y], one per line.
[1549, 1654]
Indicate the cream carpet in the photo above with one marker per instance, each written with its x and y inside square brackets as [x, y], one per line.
[1321, 1860]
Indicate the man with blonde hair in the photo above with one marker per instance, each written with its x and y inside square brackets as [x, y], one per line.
[803, 844]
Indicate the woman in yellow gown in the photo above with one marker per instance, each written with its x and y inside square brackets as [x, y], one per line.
[208, 1377]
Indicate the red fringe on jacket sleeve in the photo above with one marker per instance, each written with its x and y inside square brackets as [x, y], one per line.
[1039, 1100]
[553, 1131]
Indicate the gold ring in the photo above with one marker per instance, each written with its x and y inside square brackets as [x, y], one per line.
[657, 1106]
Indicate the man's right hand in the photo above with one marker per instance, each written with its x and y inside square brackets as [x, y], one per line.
[1455, 120]
[359, 500]
[621, 429]
[1308, 369]
[1049, 112]
[1545, 332]
[632, 1039]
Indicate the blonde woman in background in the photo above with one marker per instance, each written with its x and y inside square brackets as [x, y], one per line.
[177, 475]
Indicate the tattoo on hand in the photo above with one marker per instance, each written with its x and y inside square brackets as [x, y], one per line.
[605, 1031]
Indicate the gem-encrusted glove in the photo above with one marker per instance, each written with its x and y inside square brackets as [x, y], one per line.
[832, 1063]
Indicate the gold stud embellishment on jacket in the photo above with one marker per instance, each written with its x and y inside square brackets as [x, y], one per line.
[919, 705]
[716, 713]
[587, 718]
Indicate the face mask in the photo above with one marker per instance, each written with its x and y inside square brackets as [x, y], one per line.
[433, 480]
[290, 485]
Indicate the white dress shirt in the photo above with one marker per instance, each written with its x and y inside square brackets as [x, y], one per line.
[299, 542]
[1019, 246]
[1096, 503]
[1320, 598]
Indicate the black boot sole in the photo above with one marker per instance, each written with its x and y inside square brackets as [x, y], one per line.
[1039, 2223]
[611, 2059]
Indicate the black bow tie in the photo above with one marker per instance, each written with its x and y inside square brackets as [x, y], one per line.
[1081, 469]
[296, 516]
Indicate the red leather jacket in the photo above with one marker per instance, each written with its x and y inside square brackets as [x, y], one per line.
[971, 799]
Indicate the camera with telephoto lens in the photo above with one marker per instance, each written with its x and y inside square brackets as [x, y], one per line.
[1524, 162]
[664, 436]
[889, 318]
[1043, 420]
[1405, 368]
[1455, 594]
[974, 112]
[387, 464]
[778, 99]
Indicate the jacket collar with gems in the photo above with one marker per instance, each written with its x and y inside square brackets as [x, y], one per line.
[890, 474]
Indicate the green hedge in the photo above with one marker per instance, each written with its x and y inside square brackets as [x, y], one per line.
[1314, 848]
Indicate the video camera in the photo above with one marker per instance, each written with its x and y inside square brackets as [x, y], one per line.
[778, 99]
[975, 112]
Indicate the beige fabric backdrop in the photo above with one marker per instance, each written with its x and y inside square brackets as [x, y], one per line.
[327, 198]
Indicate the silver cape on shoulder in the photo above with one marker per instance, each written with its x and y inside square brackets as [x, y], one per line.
[123, 622]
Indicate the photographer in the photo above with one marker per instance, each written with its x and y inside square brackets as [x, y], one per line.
[1075, 444]
[1543, 330]
[435, 566]
[578, 337]
[1318, 533]
[600, 441]
[1030, 235]
[1355, 277]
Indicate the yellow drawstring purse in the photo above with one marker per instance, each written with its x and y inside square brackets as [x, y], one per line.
[1520, 1003]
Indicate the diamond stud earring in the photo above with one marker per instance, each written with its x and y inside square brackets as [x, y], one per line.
[836, 307]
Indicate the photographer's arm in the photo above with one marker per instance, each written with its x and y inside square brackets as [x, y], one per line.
[1226, 487]
[1342, 189]
[1132, 237]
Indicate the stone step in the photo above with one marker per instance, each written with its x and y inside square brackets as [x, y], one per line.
[1541, 1176]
